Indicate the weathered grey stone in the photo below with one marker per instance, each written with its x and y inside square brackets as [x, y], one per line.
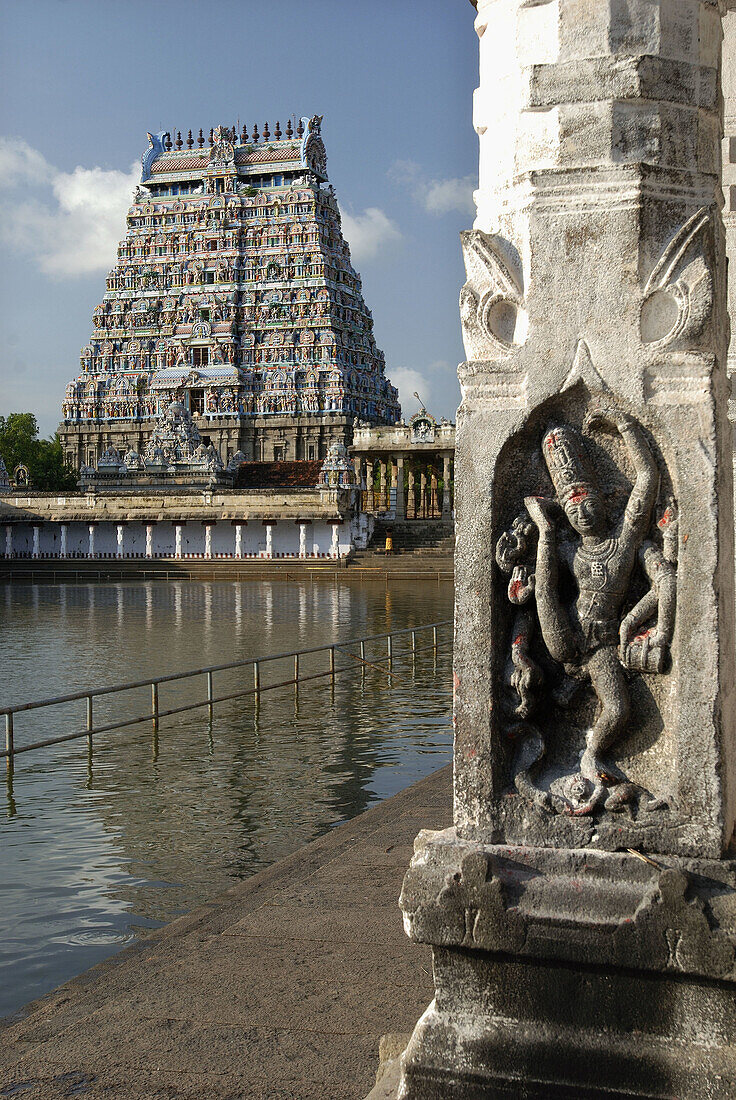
[582, 910]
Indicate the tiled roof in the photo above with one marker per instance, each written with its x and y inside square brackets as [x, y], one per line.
[280, 151]
[173, 164]
[277, 475]
[267, 156]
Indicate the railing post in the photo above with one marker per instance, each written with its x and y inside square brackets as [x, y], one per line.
[390, 652]
[257, 678]
[90, 722]
[332, 663]
[434, 638]
[154, 705]
[362, 650]
[413, 642]
[9, 741]
[296, 672]
[210, 693]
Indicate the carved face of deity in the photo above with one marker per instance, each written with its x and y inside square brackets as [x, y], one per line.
[585, 510]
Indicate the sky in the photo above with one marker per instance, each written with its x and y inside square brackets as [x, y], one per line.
[82, 82]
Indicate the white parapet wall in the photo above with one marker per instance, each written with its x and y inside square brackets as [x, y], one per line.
[231, 525]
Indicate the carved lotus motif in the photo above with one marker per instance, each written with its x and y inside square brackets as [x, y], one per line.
[492, 309]
[678, 297]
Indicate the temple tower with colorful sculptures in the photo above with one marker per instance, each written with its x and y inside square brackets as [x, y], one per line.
[234, 294]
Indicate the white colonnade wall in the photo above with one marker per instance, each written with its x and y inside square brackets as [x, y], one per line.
[227, 539]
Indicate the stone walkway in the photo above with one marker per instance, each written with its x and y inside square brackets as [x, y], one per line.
[281, 988]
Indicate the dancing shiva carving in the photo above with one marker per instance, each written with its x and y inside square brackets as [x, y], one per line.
[574, 579]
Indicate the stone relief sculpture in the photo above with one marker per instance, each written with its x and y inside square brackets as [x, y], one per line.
[577, 621]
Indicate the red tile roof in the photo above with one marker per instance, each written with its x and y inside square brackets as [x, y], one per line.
[173, 164]
[277, 475]
[282, 150]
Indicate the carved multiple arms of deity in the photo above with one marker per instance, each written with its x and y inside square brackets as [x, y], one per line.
[648, 650]
[638, 512]
[553, 618]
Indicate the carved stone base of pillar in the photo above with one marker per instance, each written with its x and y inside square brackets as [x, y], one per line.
[505, 1027]
[571, 974]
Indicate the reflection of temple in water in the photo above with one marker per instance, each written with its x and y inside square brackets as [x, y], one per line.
[218, 803]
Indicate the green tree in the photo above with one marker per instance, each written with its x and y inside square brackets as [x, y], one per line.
[19, 443]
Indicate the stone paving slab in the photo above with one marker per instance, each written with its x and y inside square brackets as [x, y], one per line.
[278, 989]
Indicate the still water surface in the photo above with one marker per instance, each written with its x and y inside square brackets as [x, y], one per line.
[95, 850]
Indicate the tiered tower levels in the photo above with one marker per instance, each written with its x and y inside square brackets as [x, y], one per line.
[233, 293]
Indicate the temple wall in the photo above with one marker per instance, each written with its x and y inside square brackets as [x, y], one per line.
[259, 438]
[285, 541]
[309, 521]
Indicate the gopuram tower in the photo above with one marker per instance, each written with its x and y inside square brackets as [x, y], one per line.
[234, 294]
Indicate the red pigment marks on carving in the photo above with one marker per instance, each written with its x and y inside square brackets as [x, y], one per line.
[471, 753]
[578, 494]
[514, 589]
[667, 517]
[519, 639]
[455, 680]
[644, 634]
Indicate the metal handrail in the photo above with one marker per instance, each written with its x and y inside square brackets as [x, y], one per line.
[153, 683]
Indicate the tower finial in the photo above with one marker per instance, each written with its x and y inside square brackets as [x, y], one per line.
[289, 131]
[266, 132]
[190, 140]
[200, 139]
[179, 142]
[277, 131]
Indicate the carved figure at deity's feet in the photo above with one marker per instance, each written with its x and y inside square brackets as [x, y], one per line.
[600, 557]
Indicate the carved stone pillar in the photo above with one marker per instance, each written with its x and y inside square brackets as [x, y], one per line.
[120, 540]
[400, 501]
[423, 492]
[370, 505]
[335, 545]
[149, 540]
[238, 540]
[8, 540]
[91, 540]
[382, 485]
[434, 502]
[208, 540]
[411, 510]
[446, 497]
[302, 540]
[582, 908]
[62, 540]
[36, 542]
[177, 542]
[269, 540]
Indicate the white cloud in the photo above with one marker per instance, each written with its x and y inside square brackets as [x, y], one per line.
[72, 224]
[369, 233]
[407, 382]
[437, 196]
[19, 163]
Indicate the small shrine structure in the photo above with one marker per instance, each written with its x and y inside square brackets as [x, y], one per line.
[406, 469]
